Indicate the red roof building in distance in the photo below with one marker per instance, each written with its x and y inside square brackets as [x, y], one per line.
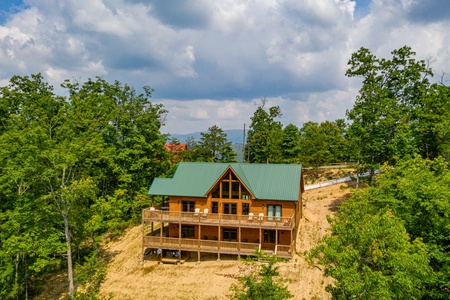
[176, 147]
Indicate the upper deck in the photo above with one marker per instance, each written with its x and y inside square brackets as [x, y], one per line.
[205, 218]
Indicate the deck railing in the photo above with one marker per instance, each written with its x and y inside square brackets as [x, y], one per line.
[186, 244]
[218, 219]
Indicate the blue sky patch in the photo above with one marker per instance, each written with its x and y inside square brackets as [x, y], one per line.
[8, 7]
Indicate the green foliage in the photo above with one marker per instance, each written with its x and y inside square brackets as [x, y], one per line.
[391, 241]
[433, 125]
[322, 143]
[290, 144]
[90, 275]
[261, 284]
[264, 136]
[383, 117]
[212, 147]
[71, 168]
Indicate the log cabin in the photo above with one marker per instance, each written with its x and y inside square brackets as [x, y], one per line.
[225, 208]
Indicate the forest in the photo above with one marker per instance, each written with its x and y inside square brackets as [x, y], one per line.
[75, 169]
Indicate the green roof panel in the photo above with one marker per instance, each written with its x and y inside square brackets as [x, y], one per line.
[265, 181]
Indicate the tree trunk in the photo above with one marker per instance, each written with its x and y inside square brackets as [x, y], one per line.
[69, 255]
[26, 275]
[16, 280]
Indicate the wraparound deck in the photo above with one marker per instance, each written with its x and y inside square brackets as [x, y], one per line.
[223, 247]
[195, 218]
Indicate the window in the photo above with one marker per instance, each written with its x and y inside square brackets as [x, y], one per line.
[187, 231]
[216, 192]
[274, 211]
[230, 208]
[215, 207]
[225, 190]
[230, 188]
[269, 236]
[229, 234]
[188, 206]
[245, 208]
[235, 190]
[245, 194]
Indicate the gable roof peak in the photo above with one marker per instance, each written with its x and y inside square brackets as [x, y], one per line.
[264, 181]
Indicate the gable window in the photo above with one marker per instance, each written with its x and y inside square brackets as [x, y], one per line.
[216, 192]
[229, 234]
[215, 207]
[273, 211]
[235, 190]
[188, 206]
[230, 208]
[245, 194]
[225, 190]
[230, 188]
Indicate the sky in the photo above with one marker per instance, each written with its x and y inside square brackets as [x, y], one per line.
[211, 62]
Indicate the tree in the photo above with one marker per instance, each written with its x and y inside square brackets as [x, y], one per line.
[30, 117]
[314, 145]
[432, 128]
[335, 133]
[321, 144]
[264, 135]
[261, 284]
[71, 169]
[381, 118]
[213, 146]
[391, 240]
[290, 144]
[129, 125]
[372, 257]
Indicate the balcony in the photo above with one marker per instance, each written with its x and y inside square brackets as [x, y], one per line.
[202, 218]
[223, 247]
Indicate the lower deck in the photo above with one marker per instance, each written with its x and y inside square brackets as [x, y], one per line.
[217, 239]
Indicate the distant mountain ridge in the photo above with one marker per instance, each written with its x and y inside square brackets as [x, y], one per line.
[233, 135]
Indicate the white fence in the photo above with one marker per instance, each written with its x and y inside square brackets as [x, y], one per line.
[336, 181]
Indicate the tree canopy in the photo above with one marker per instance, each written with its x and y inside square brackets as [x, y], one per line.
[385, 111]
[213, 146]
[391, 240]
[264, 136]
[72, 167]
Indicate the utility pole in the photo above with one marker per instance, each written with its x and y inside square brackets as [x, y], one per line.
[243, 146]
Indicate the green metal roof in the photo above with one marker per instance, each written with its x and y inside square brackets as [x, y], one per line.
[265, 181]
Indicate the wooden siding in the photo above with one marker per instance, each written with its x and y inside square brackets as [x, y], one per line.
[288, 208]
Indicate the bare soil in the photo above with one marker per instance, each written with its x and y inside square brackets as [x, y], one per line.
[211, 279]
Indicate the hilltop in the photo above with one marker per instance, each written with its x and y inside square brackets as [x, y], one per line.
[127, 279]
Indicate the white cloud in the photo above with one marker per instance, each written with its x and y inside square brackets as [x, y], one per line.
[225, 53]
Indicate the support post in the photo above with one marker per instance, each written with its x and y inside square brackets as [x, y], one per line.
[276, 241]
[260, 238]
[143, 239]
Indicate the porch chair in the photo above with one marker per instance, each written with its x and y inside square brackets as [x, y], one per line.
[261, 216]
[205, 213]
[197, 212]
[152, 212]
[250, 216]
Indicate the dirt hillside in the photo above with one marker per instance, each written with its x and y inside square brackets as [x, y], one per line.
[127, 279]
